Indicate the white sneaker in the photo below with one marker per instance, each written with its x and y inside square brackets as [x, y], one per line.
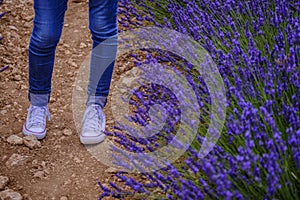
[36, 121]
[93, 125]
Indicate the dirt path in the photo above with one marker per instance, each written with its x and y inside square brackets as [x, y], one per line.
[61, 167]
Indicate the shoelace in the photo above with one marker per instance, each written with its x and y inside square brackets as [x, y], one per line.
[94, 117]
[37, 115]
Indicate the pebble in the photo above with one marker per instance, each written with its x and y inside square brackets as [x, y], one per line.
[29, 18]
[77, 160]
[34, 162]
[3, 182]
[110, 121]
[31, 141]
[73, 64]
[10, 195]
[13, 28]
[27, 25]
[67, 52]
[111, 170]
[67, 182]
[17, 77]
[4, 158]
[39, 174]
[3, 112]
[15, 140]
[63, 198]
[16, 160]
[67, 132]
[82, 45]
[78, 88]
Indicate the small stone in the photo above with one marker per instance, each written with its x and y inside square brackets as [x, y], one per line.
[17, 77]
[3, 182]
[110, 121]
[77, 160]
[13, 28]
[67, 52]
[66, 45]
[111, 170]
[67, 182]
[10, 195]
[15, 140]
[43, 164]
[73, 64]
[39, 174]
[24, 87]
[67, 132]
[29, 18]
[62, 138]
[3, 112]
[47, 172]
[82, 45]
[16, 160]
[31, 141]
[78, 88]
[63, 198]
[52, 99]
[4, 158]
[27, 25]
[34, 162]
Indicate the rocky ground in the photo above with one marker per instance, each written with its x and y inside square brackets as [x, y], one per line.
[58, 167]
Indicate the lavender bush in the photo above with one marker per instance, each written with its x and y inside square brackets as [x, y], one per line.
[256, 45]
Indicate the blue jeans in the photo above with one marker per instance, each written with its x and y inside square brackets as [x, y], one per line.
[48, 25]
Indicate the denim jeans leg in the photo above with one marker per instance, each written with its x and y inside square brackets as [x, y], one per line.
[47, 29]
[104, 30]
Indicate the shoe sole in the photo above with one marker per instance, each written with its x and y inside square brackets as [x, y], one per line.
[38, 135]
[92, 139]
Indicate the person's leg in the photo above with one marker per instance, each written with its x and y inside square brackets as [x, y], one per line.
[104, 29]
[48, 24]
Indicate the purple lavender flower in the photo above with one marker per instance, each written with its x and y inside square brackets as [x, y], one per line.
[256, 47]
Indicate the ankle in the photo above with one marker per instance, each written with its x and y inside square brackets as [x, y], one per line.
[38, 99]
[96, 100]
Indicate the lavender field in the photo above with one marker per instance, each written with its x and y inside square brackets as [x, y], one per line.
[256, 47]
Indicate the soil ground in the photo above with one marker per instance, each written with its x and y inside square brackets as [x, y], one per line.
[61, 168]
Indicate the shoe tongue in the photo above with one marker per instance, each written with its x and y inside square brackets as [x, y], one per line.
[44, 109]
[38, 111]
[38, 114]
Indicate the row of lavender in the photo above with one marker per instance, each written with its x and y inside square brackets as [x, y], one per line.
[256, 45]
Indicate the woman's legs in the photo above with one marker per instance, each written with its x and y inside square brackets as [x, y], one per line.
[48, 24]
[104, 29]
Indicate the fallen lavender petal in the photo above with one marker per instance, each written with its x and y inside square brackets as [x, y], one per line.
[4, 68]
